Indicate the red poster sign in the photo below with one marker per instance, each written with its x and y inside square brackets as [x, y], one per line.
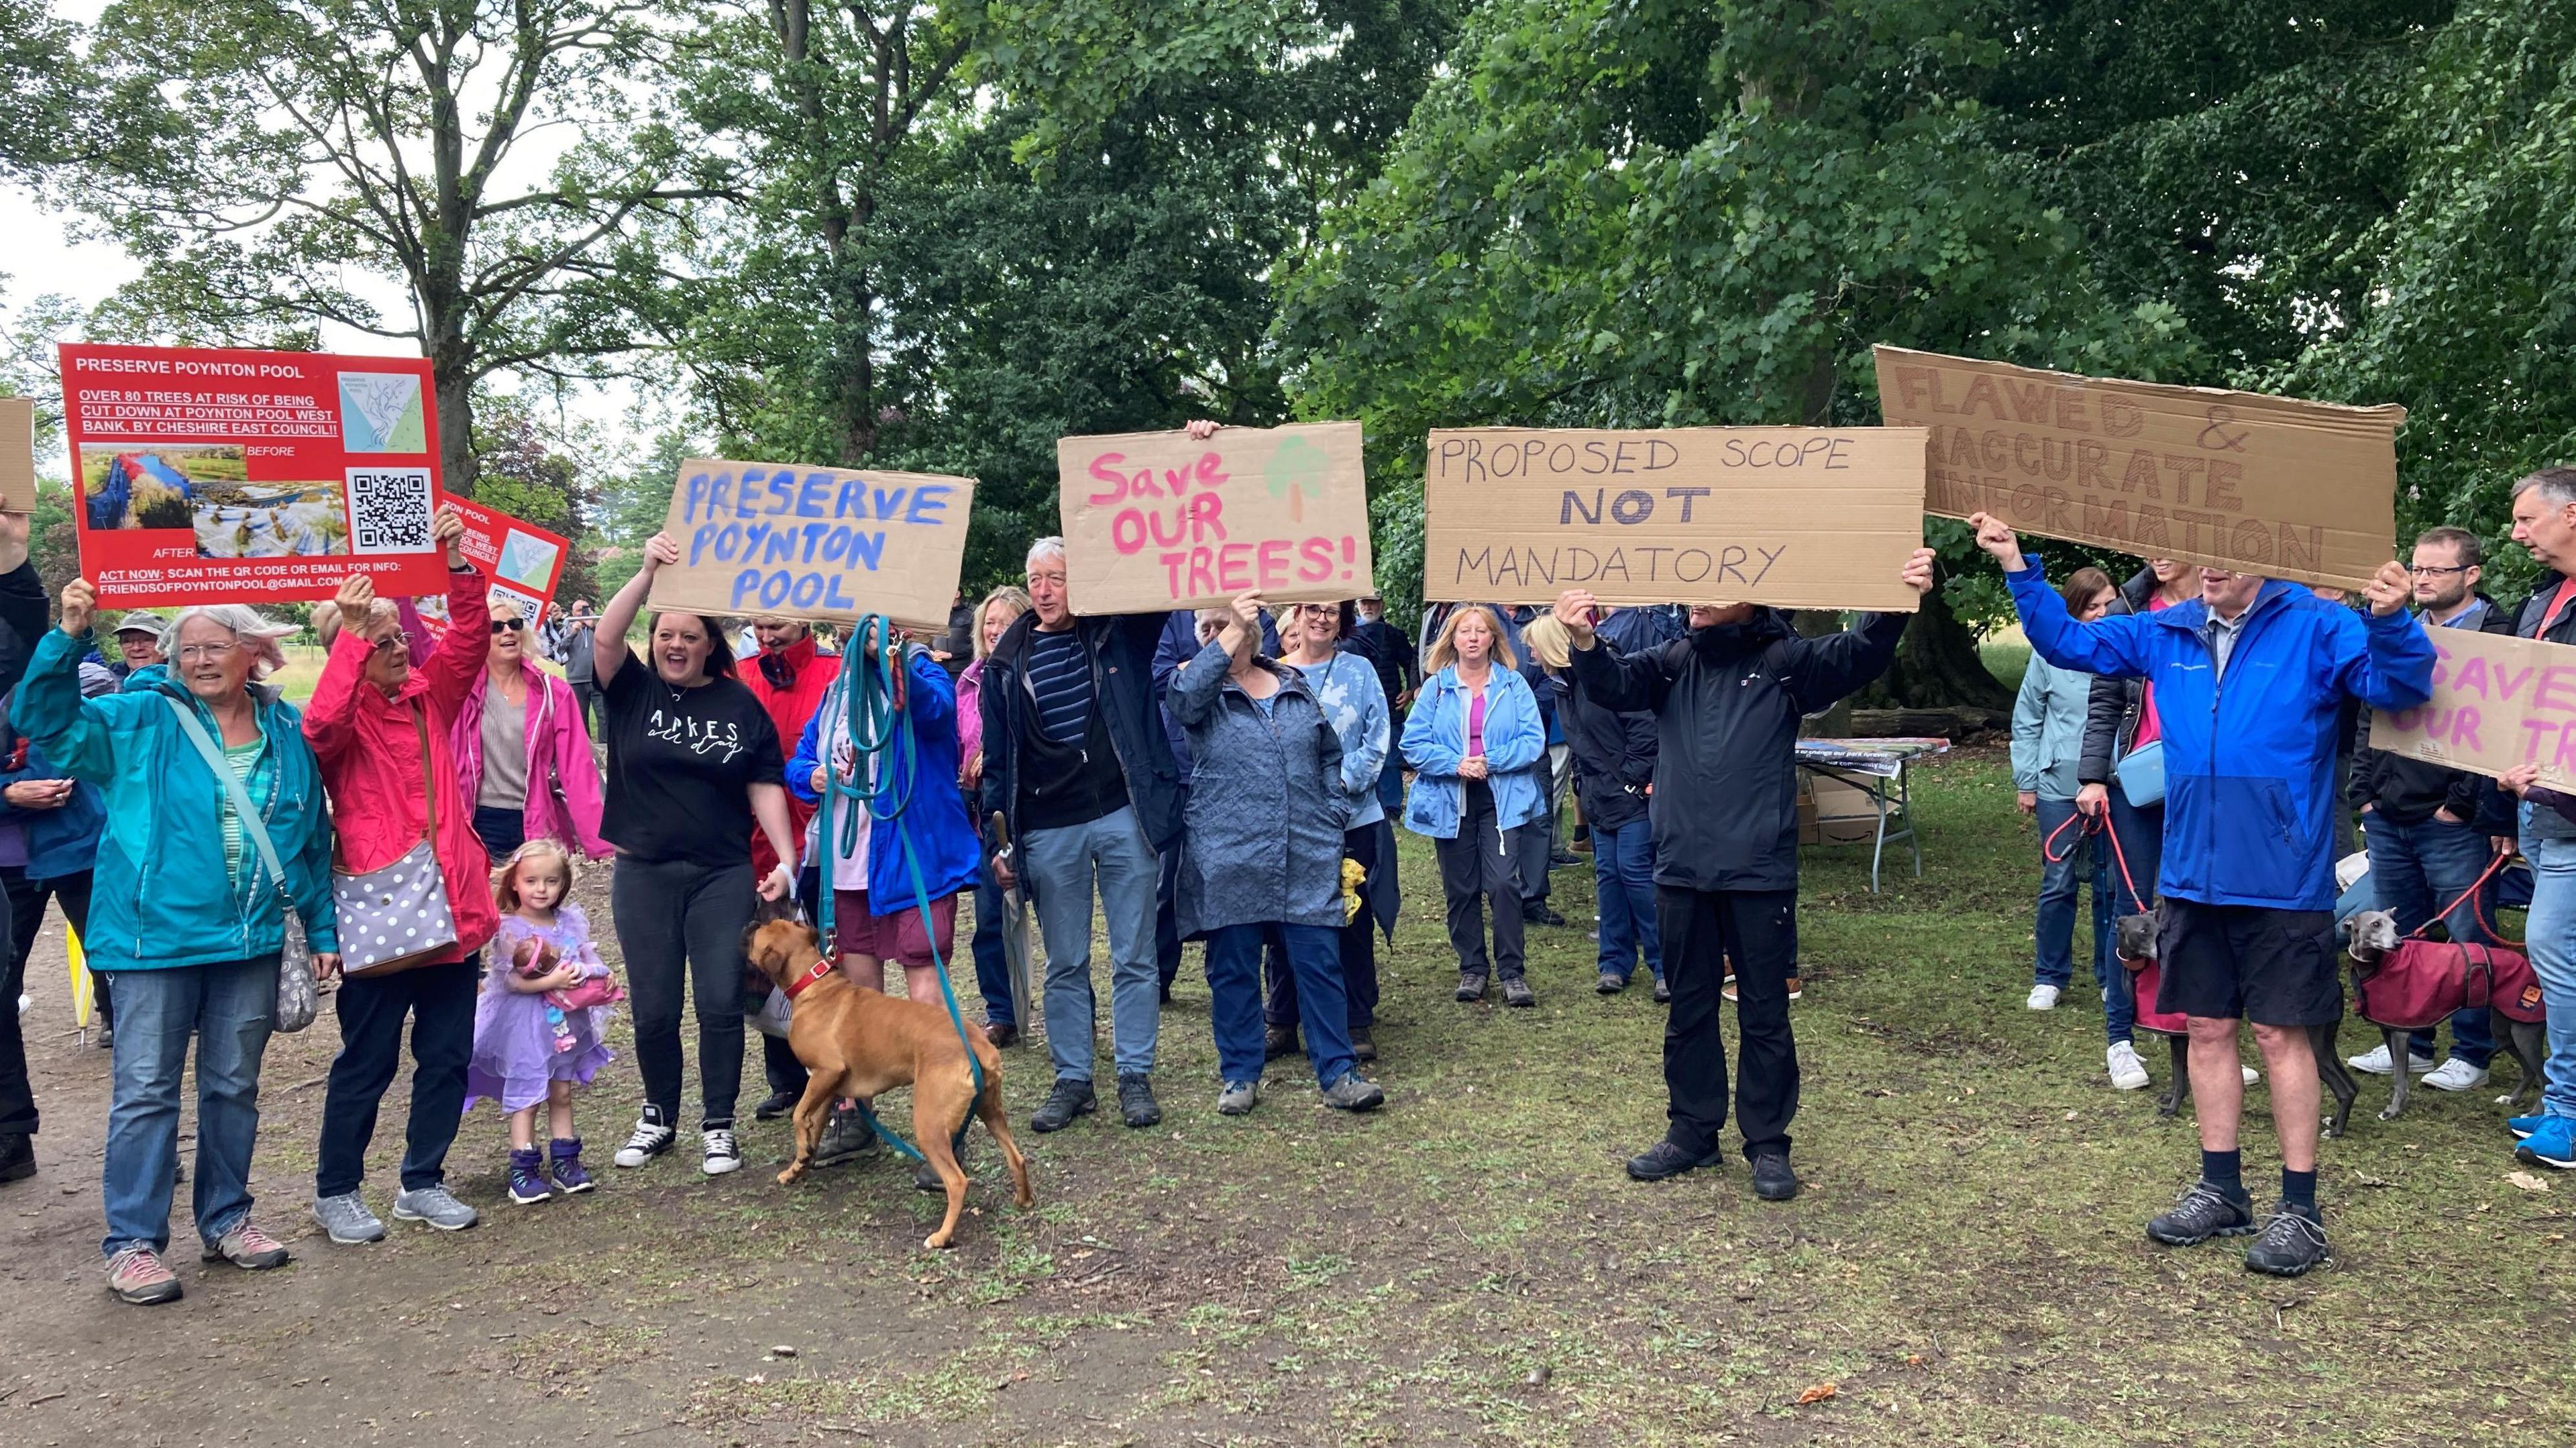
[519, 557]
[203, 475]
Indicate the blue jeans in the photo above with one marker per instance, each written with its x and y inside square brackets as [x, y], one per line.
[1234, 982]
[2417, 869]
[2060, 881]
[1623, 882]
[1061, 865]
[228, 1008]
[2550, 931]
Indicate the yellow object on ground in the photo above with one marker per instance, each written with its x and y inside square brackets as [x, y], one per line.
[82, 996]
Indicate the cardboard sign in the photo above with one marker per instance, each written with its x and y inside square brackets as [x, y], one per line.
[205, 475]
[1800, 517]
[2236, 480]
[815, 543]
[1154, 521]
[2498, 702]
[519, 557]
[17, 454]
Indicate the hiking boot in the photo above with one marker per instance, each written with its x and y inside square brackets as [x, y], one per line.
[1517, 992]
[346, 1220]
[2202, 1213]
[135, 1275]
[1005, 1034]
[1663, 991]
[1278, 1041]
[1539, 912]
[1354, 1092]
[649, 1140]
[776, 1104]
[1136, 1100]
[1238, 1098]
[1364, 1044]
[2292, 1242]
[1471, 985]
[1666, 1159]
[717, 1154]
[1068, 1099]
[846, 1137]
[528, 1185]
[17, 1156]
[570, 1176]
[248, 1248]
[437, 1207]
[1610, 983]
[1773, 1180]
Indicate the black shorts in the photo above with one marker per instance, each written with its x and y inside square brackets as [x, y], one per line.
[2244, 962]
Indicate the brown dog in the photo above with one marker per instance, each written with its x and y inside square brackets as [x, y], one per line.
[857, 1042]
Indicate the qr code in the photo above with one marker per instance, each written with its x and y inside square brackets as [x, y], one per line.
[389, 510]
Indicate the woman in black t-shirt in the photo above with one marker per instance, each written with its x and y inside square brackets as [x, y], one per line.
[693, 761]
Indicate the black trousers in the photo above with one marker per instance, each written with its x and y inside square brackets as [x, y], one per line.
[1701, 929]
[1359, 952]
[1476, 867]
[439, 1000]
[17, 1093]
[680, 925]
[27, 920]
[778, 1063]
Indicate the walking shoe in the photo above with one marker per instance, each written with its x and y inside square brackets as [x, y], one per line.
[1563, 858]
[776, 1104]
[570, 1176]
[1610, 983]
[1539, 912]
[2042, 998]
[2202, 1213]
[1136, 1101]
[846, 1137]
[1666, 1159]
[2252, 1076]
[2292, 1242]
[925, 1178]
[2375, 1061]
[1278, 1041]
[17, 1156]
[1471, 985]
[2128, 1073]
[435, 1206]
[346, 1220]
[2456, 1075]
[107, 1038]
[2523, 1126]
[248, 1248]
[2553, 1144]
[1363, 1044]
[1238, 1098]
[717, 1155]
[1003, 1033]
[528, 1185]
[1354, 1092]
[1516, 992]
[1663, 992]
[649, 1140]
[135, 1275]
[1068, 1099]
[1773, 1180]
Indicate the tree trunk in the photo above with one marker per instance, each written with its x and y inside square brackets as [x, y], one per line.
[457, 466]
[1938, 666]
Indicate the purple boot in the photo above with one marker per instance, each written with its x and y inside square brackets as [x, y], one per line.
[528, 1177]
[568, 1173]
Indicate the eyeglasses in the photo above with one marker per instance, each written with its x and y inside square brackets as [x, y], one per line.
[1319, 610]
[192, 653]
[2435, 570]
[392, 642]
[506, 625]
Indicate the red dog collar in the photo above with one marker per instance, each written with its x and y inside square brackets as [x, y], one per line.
[821, 968]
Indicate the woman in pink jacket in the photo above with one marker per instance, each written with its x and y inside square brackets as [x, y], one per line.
[523, 760]
[992, 966]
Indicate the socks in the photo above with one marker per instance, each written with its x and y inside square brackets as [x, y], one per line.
[2299, 1191]
[2225, 1170]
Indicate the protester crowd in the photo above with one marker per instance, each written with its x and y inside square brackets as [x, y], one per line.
[1232, 776]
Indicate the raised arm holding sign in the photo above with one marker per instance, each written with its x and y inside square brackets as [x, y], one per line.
[1156, 521]
[814, 542]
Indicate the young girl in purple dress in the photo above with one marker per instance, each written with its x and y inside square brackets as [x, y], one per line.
[536, 1029]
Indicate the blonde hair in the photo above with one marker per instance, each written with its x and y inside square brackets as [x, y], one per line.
[1444, 649]
[1016, 598]
[1548, 642]
[505, 878]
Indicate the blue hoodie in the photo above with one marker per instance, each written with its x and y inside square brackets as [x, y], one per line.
[2249, 755]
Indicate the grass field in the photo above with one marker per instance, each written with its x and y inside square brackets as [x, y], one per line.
[1467, 1266]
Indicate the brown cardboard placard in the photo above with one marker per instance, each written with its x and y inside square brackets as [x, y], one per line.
[2498, 702]
[815, 543]
[17, 454]
[1800, 517]
[1154, 520]
[2237, 480]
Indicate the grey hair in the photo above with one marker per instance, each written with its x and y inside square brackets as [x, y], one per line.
[1045, 548]
[2557, 486]
[248, 626]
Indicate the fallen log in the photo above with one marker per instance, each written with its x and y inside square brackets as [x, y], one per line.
[1962, 724]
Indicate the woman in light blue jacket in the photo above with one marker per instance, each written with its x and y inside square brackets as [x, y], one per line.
[2047, 738]
[1474, 741]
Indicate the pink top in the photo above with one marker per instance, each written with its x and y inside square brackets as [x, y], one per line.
[1476, 724]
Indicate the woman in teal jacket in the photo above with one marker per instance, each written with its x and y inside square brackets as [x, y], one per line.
[1474, 741]
[184, 916]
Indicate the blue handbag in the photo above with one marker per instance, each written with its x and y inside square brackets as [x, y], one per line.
[2141, 773]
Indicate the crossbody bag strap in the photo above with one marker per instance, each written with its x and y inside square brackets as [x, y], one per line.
[252, 825]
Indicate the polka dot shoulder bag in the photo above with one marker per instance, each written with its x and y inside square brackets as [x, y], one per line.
[398, 916]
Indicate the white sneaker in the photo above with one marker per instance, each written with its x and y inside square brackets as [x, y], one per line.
[720, 1157]
[2251, 1075]
[2128, 1073]
[2042, 998]
[649, 1140]
[2456, 1075]
[2375, 1061]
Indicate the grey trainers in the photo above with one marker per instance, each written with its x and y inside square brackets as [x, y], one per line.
[436, 1206]
[1354, 1092]
[1238, 1098]
[846, 1137]
[347, 1220]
